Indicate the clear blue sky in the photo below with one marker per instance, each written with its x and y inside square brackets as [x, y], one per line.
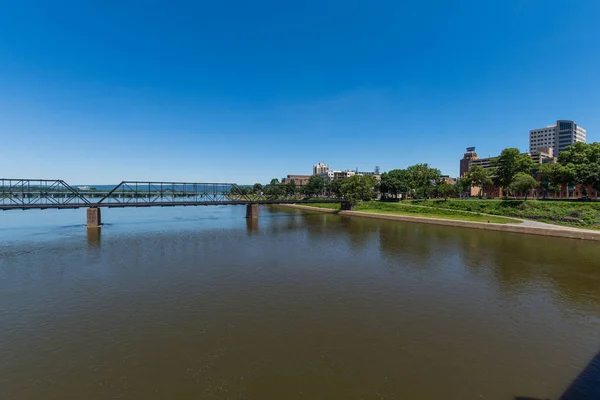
[240, 91]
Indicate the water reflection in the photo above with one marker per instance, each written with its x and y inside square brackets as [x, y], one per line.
[518, 261]
[360, 231]
[515, 261]
[410, 245]
[252, 225]
[300, 310]
[512, 261]
[94, 237]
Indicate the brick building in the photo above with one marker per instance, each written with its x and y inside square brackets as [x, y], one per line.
[571, 192]
[299, 180]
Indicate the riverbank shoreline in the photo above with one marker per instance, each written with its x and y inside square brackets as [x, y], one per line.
[552, 231]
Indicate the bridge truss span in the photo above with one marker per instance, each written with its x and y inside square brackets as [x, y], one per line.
[39, 193]
[131, 193]
[47, 194]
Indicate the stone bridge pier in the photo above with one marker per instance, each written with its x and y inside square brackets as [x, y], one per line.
[93, 218]
[252, 211]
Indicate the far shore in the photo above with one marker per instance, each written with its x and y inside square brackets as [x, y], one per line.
[517, 227]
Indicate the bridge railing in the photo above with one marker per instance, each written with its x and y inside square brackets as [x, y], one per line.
[40, 193]
[132, 192]
[34, 193]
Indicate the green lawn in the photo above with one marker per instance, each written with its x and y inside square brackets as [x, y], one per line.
[333, 206]
[580, 214]
[408, 210]
[568, 213]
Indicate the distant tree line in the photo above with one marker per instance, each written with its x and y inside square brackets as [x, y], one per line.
[352, 189]
[513, 172]
[418, 181]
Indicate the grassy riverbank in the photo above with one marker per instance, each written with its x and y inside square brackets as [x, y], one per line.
[565, 213]
[426, 212]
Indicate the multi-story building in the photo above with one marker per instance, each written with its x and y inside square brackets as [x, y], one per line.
[470, 159]
[323, 170]
[328, 175]
[297, 179]
[542, 155]
[343, 174]
[558, 136]
[376, 174]
[320, 168]
[448, 179]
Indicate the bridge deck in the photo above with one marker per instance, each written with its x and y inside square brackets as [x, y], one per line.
[28, 194]
[5, 207]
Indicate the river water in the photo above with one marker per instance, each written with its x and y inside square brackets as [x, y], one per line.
[198, 303]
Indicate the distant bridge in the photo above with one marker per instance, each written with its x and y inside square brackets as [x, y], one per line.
[27, 194]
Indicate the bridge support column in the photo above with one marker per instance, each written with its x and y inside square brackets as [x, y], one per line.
[346, 207]
[93, 217]
[252, 211]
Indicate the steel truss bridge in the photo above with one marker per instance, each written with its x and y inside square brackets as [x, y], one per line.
[26, 194]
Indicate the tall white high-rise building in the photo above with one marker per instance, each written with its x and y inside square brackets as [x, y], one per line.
[320, 168]
[558, 136]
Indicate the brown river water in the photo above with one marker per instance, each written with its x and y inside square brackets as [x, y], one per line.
[198, 303]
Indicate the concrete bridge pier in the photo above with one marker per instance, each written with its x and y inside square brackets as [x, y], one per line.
[93, 217]
[252, 211]
[346, 206]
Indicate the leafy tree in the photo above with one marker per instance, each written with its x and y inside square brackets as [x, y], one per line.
[554, 188]
[235, 191]
[290, 188]
[384, 185]
[314, 186]
[594, 175]
[446, 190]
[358, 187]
[274, 189]
[422, 179]
[550, 178]
[508, 164]
[478, 176]
[395, 182]
[334, 187]
[523, 183]
[578, 153]
[580, 165]
[566, 174]
[257, 188]
[462, 186]
[240, 190]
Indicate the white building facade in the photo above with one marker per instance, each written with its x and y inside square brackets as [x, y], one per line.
[320, 168]
[558, 136]
[323, 170]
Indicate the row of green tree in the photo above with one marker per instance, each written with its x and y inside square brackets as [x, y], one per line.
[512, 171]
[352, 189]
[417, 181]
[516, 173]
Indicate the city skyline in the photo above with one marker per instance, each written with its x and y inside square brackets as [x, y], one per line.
[94, 94]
